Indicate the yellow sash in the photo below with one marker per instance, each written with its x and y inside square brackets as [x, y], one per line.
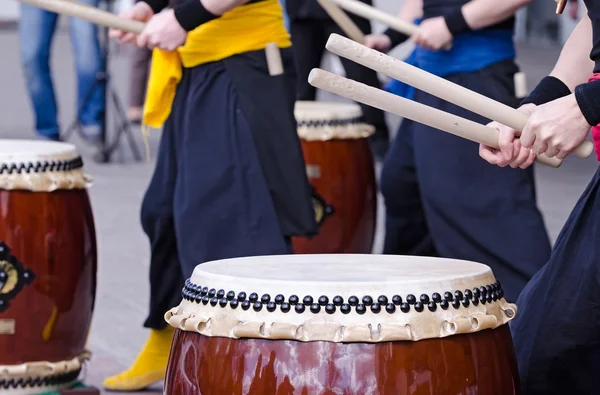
[246, 28]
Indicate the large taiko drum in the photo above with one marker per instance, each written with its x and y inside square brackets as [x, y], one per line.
[340, 168]
[342, 324]
[47, 266]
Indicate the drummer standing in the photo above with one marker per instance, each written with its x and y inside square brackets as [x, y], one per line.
[230, 177]
[438, 196]
[311, 26]
[557, 329]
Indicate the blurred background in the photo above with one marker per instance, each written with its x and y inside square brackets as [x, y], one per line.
[119, 184]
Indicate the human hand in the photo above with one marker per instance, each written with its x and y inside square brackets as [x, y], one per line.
[433, 34]
[142, 12]
[379, 42]
[163, 31]
[556, 128]
[511, 151]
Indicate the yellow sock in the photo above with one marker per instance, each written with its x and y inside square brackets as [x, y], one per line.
[149, 367]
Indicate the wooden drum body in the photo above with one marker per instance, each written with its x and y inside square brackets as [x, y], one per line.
[48, 263]
[339, 165]
[342, 324]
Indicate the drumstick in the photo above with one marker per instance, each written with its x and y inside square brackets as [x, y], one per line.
[343, 21]
[88, 13]
[369, 12]
[274, 63]
[560, 6]
[409, 109]
[436, 86]
[520, 85]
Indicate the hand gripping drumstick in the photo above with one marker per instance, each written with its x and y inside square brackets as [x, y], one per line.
[414, 111]
[437, 86]
[369, 12]
[343, 21]
[88, 13]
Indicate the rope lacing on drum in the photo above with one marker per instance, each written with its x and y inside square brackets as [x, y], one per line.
[52, 380]
[330, 122]
[37, 167]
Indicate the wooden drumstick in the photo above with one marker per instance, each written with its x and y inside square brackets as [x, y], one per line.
[369, 12]
[274, 63]
[560, 6]
[520, 85]
[436, 86]
[343, 21]
[88, 13]
[409, 109]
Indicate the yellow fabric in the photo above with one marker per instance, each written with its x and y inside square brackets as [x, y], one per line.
[246, 28]
[150, 366]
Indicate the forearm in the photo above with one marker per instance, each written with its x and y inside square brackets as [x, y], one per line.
[574, 65]
[480, 14]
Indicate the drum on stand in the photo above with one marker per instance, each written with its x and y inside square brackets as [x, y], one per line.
[340, 168]
[342, 324]
[48, 264]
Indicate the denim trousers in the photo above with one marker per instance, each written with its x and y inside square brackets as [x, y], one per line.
[36, 33]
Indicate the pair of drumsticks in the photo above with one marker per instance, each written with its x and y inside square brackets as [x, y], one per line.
[365, 94]
[428, 83]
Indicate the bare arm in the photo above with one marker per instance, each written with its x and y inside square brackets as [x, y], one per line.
[483, 13]
[411, 10]
[574, 65]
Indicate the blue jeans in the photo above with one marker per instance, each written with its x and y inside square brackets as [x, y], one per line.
[36, 31]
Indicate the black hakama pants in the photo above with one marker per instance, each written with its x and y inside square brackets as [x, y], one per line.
[556, 331]
[443, 200]
[230, 178]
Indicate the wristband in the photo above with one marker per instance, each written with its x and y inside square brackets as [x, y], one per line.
[156, 5]
[396, 37]
[191, 13]
[549, 88]
[588, 99]
[456, 22]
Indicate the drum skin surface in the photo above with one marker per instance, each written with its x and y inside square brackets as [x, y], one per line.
[481, 363]
[343, 176]
[49, 299]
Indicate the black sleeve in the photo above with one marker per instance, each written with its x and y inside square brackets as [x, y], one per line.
[549, 89]
[456, 22]
[191, 13]
[588, 99]
[156, 5]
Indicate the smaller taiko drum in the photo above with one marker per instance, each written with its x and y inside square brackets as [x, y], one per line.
[340, 168]
[342, 324]
[48, 262]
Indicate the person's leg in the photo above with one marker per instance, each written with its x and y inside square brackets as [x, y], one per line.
[36, 30]
[406, 231]
[308, 38]
[88, 63]
[372, 116]
[476, 211]
[166, 277]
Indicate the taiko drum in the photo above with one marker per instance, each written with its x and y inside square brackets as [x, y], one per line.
[340, 168]
[342, 324]
[48, 264]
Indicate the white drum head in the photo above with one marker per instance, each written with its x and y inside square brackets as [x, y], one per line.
[328, 120]
[341, 298]
[40, 166]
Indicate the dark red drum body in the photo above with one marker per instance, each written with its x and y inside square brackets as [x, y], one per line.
[48, 262]
[340, 168]
[430, 327]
